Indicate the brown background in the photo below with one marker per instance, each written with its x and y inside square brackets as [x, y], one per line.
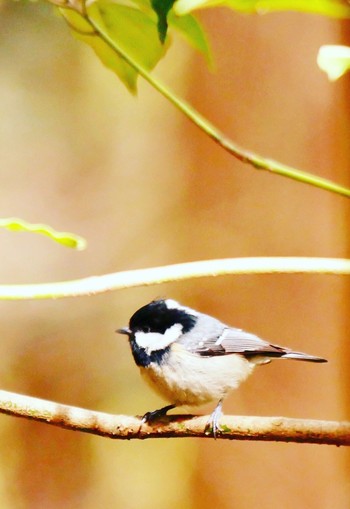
[145, 187]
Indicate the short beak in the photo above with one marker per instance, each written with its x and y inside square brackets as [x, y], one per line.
[124, 330]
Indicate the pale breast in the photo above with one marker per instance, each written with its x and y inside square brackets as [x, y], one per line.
[188, 379]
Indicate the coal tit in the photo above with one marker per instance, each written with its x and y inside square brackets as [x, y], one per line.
[191, 358]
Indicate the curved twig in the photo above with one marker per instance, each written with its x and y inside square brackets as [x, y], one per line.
[278, 429]
[142, 277]
[243, 155]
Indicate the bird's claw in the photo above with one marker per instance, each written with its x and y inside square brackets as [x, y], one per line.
[213, 425]
[155, 415]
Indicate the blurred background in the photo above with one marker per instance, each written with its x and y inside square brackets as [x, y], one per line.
[147, 188]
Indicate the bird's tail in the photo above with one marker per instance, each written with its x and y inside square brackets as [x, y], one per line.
[299, 356]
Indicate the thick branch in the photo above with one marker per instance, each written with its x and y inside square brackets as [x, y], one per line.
[178, 272]
[279, 429]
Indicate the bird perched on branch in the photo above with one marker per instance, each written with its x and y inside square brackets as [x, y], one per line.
[191, 358]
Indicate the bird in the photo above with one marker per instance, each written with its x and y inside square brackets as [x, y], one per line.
[191, 358]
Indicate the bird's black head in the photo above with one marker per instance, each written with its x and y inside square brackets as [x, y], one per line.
[154, 327]
[160, 315]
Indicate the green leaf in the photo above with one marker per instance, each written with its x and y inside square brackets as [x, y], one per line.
[334, 60]
[162, 8]
[332, 8]
[190, 28]
[133, 30]
[65, 238]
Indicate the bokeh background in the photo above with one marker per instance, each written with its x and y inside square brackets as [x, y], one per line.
[146, 188]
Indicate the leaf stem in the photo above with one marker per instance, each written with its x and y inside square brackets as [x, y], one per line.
[212, 131]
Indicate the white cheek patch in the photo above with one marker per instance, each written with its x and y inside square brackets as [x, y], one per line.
[152, 341]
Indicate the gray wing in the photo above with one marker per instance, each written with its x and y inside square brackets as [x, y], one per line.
[233, 340]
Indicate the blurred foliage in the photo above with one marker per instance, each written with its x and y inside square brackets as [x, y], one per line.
[115, 32]
[333, 8]
[162, 8]
[138, 30]
[135, 32]
[334, 60]
[64, 238]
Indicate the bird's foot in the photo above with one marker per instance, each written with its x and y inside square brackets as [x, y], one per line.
[155, 415]
[213, 425]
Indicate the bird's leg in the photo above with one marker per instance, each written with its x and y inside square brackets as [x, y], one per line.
[213, 422]
[156, 414]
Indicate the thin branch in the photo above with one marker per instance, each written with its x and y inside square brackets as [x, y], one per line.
[154, 276]
[278, 429]
[245, 156]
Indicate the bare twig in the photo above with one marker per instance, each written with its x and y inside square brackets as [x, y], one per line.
[278, 429]
[143, 277]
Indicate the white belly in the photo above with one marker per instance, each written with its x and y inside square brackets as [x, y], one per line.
[188, 379]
